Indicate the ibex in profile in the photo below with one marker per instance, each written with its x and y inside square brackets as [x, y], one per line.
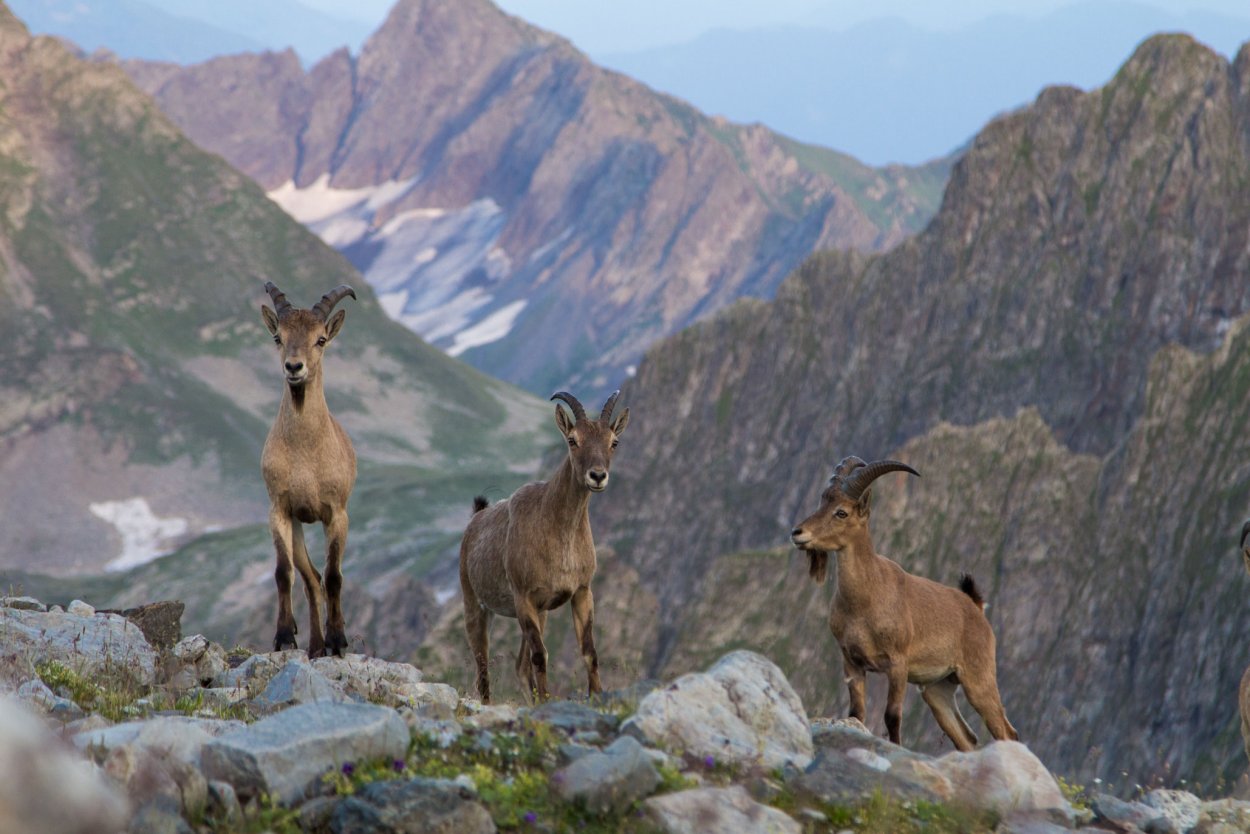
[309, 467]
[906, 627]
[1243, 695]
[533, 552]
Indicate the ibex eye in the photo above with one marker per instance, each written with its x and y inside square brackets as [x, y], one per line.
[572, 443]
[277, 340]
[841, 513]
[321, 342]
[615, 443]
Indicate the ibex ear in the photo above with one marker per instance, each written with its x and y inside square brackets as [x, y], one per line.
[819, 565]
[271, 319]
[620, 422]
[563, 421]
[864, 505]
[335, 324]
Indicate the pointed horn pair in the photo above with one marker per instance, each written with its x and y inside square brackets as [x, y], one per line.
[855, 484]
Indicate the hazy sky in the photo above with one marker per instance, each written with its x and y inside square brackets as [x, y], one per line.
[606, 26]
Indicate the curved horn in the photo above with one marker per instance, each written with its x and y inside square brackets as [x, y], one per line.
[606, 414]
[323, 307]
[857, 483]
[579, 413]
[280, 304]
[1245, 531]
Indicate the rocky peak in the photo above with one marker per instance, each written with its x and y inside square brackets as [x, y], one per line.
[541, 217]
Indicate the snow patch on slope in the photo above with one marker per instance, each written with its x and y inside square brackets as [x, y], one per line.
[436, 270]
[145, 536]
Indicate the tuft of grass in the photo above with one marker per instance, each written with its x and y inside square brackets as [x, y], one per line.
[1074, 792]
[113, 693]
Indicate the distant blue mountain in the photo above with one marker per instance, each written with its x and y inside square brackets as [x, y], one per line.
[888, 91]
[190, 31]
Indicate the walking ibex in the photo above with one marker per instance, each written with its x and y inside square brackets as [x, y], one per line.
[906, 627]
[533, 552]
[309, 467]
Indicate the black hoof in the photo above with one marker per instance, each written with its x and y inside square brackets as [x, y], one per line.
[336, 643]
[284, 639]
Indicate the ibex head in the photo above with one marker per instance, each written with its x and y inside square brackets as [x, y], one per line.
[591, 442]
[302, 335]
[844, 508]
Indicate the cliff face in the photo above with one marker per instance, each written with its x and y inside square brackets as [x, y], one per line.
[1088, 266]
[137, 383]
[543, 218]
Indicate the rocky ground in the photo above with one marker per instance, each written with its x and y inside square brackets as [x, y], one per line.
[112, 721]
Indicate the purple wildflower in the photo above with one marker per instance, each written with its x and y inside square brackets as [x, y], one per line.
[531, 817]
[709, 761]
[348, 768]
[398, 765]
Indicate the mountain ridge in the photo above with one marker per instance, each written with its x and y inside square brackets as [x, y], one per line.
[560, 216]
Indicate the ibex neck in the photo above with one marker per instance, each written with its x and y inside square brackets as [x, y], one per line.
[858, 568]
[566, 494]
[304, 406]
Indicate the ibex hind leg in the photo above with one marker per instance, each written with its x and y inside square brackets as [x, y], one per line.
[477, 628]
[940, 697]
[984, 698]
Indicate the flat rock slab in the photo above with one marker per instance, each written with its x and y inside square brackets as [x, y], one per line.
[572, 717]
[91, 645]
[716, 809]
[288, 752]
[845, 777]
[298, 683]
[742, 710]
[414, 806]
[178, 736]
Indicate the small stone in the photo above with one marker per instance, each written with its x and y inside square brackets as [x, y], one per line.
[716, 809]
[1112, 809]
[299, 683]
[1181, 808]
[223, 805]
[80, 609]
[742, 711]
[1007, 778]
[433, 805]
[23, 604]
[610, 781]
[869, 759]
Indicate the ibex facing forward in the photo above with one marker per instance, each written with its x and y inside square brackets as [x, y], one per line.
[309, 467]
